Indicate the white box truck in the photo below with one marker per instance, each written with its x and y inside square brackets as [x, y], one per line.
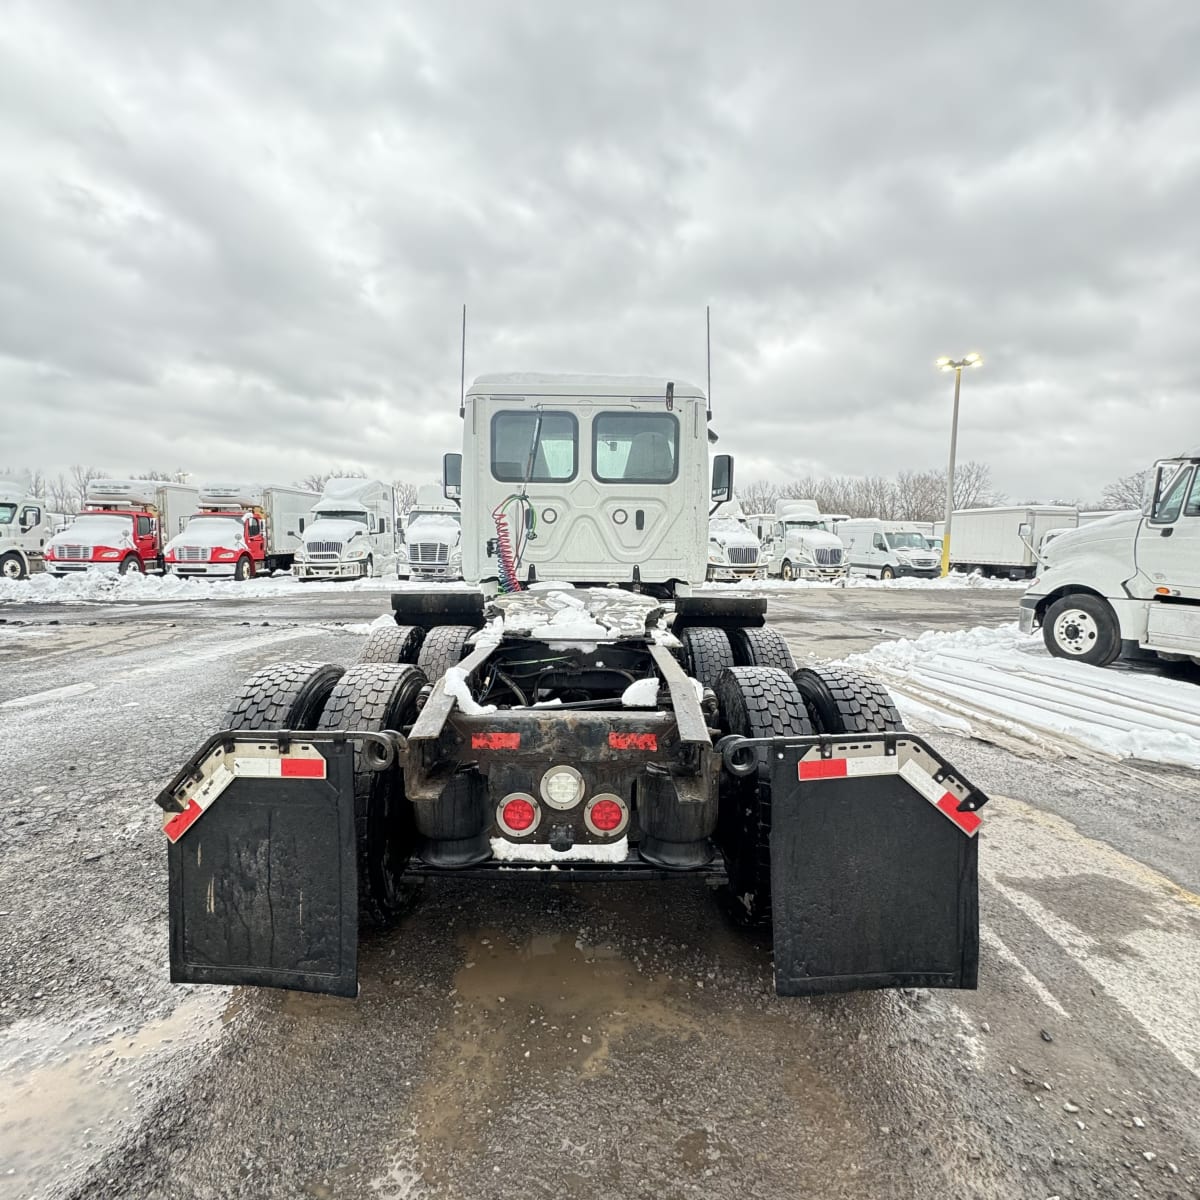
[1005, 541]
[798, 544]
[888, 549]
[124, 527]
[25, 528]
[241, 530]
[350, 532]
[1129, 583]
[432, 538]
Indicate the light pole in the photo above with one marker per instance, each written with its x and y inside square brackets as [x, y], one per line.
[956, 365]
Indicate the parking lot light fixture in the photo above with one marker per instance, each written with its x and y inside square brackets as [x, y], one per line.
[956, 365]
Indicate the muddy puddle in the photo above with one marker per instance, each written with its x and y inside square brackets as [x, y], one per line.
[66, 1095]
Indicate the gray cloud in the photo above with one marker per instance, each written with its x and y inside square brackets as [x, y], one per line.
[234, 238]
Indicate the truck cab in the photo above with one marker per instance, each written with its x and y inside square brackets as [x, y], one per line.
[1129, 583]
[798, 543]
[25, 528]
[432, 538]
[350, 532]
[586, 479]
[734, 549]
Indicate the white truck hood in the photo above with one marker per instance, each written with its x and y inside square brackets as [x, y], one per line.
[445, 532]
[331, 530]
[814, 539]
[210, 533]
[95, 531]
[1106, 535]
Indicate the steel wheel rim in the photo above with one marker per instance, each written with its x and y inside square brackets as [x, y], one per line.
[1075, 631]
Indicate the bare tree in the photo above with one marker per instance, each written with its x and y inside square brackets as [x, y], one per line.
[973, 486]
[406, 494]
[758, 497]
[317, 482]
[81, 476]
[179, 475]
[1129, 491]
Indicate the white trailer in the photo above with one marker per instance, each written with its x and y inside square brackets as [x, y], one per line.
[350, 532]
[1005, 541]
[241, 530]
[1129, 583]
[798, 544]
[25, 528]
[432, 538]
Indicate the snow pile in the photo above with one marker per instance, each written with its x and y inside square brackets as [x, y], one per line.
[641, 694]
[1004, 679]
[91, 586]
[455, 682]
[541, 852]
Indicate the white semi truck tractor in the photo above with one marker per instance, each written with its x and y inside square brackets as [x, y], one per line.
[799, 545]
[582, 710]
[432, 546]
[1128, 583]
[25, 528]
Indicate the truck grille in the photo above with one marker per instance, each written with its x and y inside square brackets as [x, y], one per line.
[743, 555]
[192, 554]
[429, 552]
[78, 553]
[828, 557]
[324, 549]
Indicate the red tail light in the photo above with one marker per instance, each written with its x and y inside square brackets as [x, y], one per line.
[518, 814]
[606, 815]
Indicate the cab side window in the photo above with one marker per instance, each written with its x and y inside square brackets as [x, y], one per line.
[1170, 502]
[1192, 507]
[879, 543]
[143, 526]
[30, 517]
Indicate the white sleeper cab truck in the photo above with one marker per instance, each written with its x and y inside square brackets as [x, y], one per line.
[350, 532]
[433, 538]
[633, 730]
[798, 544]
[888, 549]
[734, 551]
[124, 527]
[25, 528]
[1006, 541]
[241, 530]
[1129, 583]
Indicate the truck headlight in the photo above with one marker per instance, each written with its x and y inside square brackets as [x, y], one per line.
[357, 552]
[301, 554]
[402, 555]
[110, 554]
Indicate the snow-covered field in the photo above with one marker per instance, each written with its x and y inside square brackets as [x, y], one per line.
[999, 679]
[93, 587]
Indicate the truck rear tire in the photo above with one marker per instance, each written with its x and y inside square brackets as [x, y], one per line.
[12, 566]
[445, 646]
[761, 647]
[392, 644]
[1082, 628]
[375, 696]
[283, 696]
[841, 701]
[707, 653]
[756, 702]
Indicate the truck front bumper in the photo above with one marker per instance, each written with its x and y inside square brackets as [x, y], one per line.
[903, 572]
[330, 570]
[202, 570]
[440, 572]
[811, 572]
[1027, 618]
[75, 566]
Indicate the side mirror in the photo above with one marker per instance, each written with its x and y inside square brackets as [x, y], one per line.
[1025, 531]
[452, 476]
[722, 478]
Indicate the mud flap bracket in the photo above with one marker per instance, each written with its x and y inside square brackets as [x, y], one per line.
[263, 887]
[874, 866]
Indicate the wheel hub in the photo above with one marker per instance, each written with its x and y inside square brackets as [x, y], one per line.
[1075, 631]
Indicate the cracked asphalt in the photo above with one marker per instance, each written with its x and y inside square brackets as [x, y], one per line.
[553, 1039]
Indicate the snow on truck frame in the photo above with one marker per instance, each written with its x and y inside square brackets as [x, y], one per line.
[616, 726]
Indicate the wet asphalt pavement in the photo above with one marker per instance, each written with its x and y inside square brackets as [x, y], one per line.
[534, 1038]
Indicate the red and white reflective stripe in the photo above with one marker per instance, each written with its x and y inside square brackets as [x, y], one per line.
[946, 802]
[279, 768]
[304, 765]
[845, 768]
[177, 824]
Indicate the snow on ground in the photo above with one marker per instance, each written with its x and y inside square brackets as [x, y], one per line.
[91, 587]
[975, 678]
[955, 582]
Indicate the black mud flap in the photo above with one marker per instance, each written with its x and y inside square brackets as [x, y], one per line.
[874, 866]
[263, 872]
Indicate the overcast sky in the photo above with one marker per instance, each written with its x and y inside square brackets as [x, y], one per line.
[235, 237]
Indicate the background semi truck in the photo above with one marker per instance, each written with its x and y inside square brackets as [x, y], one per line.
[25, 528]
[1128, 583]
[1005, 541]
[124, 526]
[350, 532]
[637, 731]
[734, 551]
[432, 546]
[240, 531]
[798, 544]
